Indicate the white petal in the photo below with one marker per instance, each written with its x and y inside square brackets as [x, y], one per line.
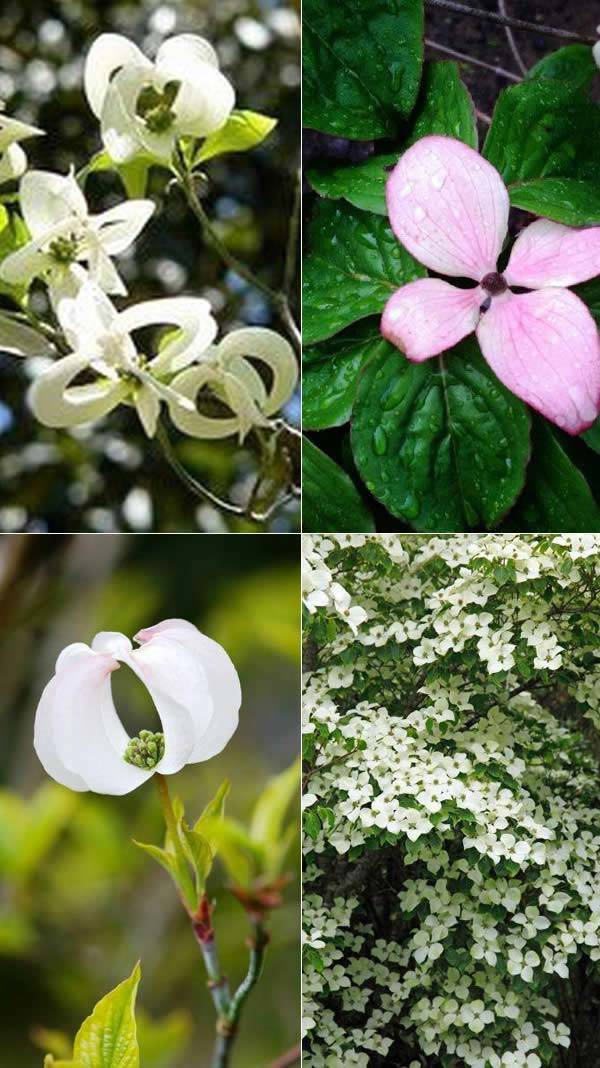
[13, 163]
[112, 642]
[118, 227]
[147, 405]
[206, 97]
[271, 348]
[12, 130]
[90, 739]
[88, 318]
[47, 199]
[21, 340]
[31, 261]
[102, 269]
[43, 742]
[120, 128]
[65, 285]
[108, 53]
[182, 52]
[189, 384]
[58, 404]
[223, 681]
[193, 317]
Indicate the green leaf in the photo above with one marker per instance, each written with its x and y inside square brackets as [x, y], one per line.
[573, 64]
[268, 815]
[242, 131]
[361, 65]
[108, 1038]
[441, 444]
[330, 374]
[13, 235]
[167, 860]
[573, 201]
[163, 1041]
[311, 823]
[241, 857]
[215, 808]
[199, 852]
[542, 129]
[557, 497]
[444, 107]
[355, 265]
[134, 175]
[330, 500]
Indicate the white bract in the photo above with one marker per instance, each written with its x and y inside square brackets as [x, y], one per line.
[144, 107]
[63, 234]
[102, 342]
[79, 737]
[13, 161]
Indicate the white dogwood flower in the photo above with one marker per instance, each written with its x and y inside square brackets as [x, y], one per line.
[79, 737]
[63, 234]
[102, 343]
[13, 161]
[146, 107]
[227, 371]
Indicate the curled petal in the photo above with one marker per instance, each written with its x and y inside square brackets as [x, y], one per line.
[428, 316]
[205, 97]
[77, 727]
[188, 385]
[222, 678]
[118, 227]
[102, 269]
[196, 328]
[178, 54]
[449, 207]
[13, 163]
[147, 405]
[549, 254]
[58, 404]
[273, 350]
[544, 347]
[108, 53]
[121, 129]
[21, 340]
[12, 130]
[49, 199]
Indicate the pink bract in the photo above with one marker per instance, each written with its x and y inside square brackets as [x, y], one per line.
[449, 207]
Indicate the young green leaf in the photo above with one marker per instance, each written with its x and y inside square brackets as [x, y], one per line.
[573, 201]
[242, 859]
[330, 374]
[330, 501]
[200, 855]
[361, 65]
[215, 808]
[242, 131]
[268, 815]
[556, 497]
[441, 444]
[354, 266]
[108, 1038]
[444, 107]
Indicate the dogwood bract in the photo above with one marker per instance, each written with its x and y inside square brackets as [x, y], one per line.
[146, 107]
[13, 161]
[63, 233]
[449, 207]
[79, 737]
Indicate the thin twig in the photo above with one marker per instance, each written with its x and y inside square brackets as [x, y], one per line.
[290, 1057]
[197, 488]
[510, 37]
[289, 272]
[484, 118]
[228, 1024]
[500, 71]
[517, 24]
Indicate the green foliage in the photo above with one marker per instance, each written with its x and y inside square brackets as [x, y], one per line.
[330, 498]
[573, 201]
[442, 443]
[354, 266]
[574, 64]
[242, 131]
[108, 1038]
[331, 371]
[361, 65]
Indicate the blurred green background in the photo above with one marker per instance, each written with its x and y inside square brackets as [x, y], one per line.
[79, 904]
[109, 477]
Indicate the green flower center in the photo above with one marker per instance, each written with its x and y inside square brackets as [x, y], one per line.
[156, 108]
[146, 750]
[64, 249]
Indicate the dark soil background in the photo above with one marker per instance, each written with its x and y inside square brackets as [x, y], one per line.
[448, 32]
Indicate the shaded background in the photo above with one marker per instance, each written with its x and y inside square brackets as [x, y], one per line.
[110, 477]
[450, 35]
[79, 904]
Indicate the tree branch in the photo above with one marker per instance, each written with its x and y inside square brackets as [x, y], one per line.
[516, 24]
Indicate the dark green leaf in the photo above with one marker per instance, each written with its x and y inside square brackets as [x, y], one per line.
[311, 823]
[361, 64]
[331, 371]
[573, 201]
[330, 498]
[542, 129]
[557, 497]
[441, 444]
[573, 64]
[444, 107]
[354, 266]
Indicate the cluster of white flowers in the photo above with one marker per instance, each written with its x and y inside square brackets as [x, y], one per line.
[453, 828]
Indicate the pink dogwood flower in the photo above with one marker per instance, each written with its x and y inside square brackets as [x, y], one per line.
[449, 207]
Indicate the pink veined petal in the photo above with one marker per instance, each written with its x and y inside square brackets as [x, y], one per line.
[89, 738]
[222, 677]
[544, 347]
[449, 207]
[549, 254]
[428, 316]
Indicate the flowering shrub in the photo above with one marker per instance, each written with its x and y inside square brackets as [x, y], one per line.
[451, 818]
[458, 338]
[87, 356]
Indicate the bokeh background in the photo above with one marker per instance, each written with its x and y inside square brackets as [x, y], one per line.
[109, 477]
[79, 904]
